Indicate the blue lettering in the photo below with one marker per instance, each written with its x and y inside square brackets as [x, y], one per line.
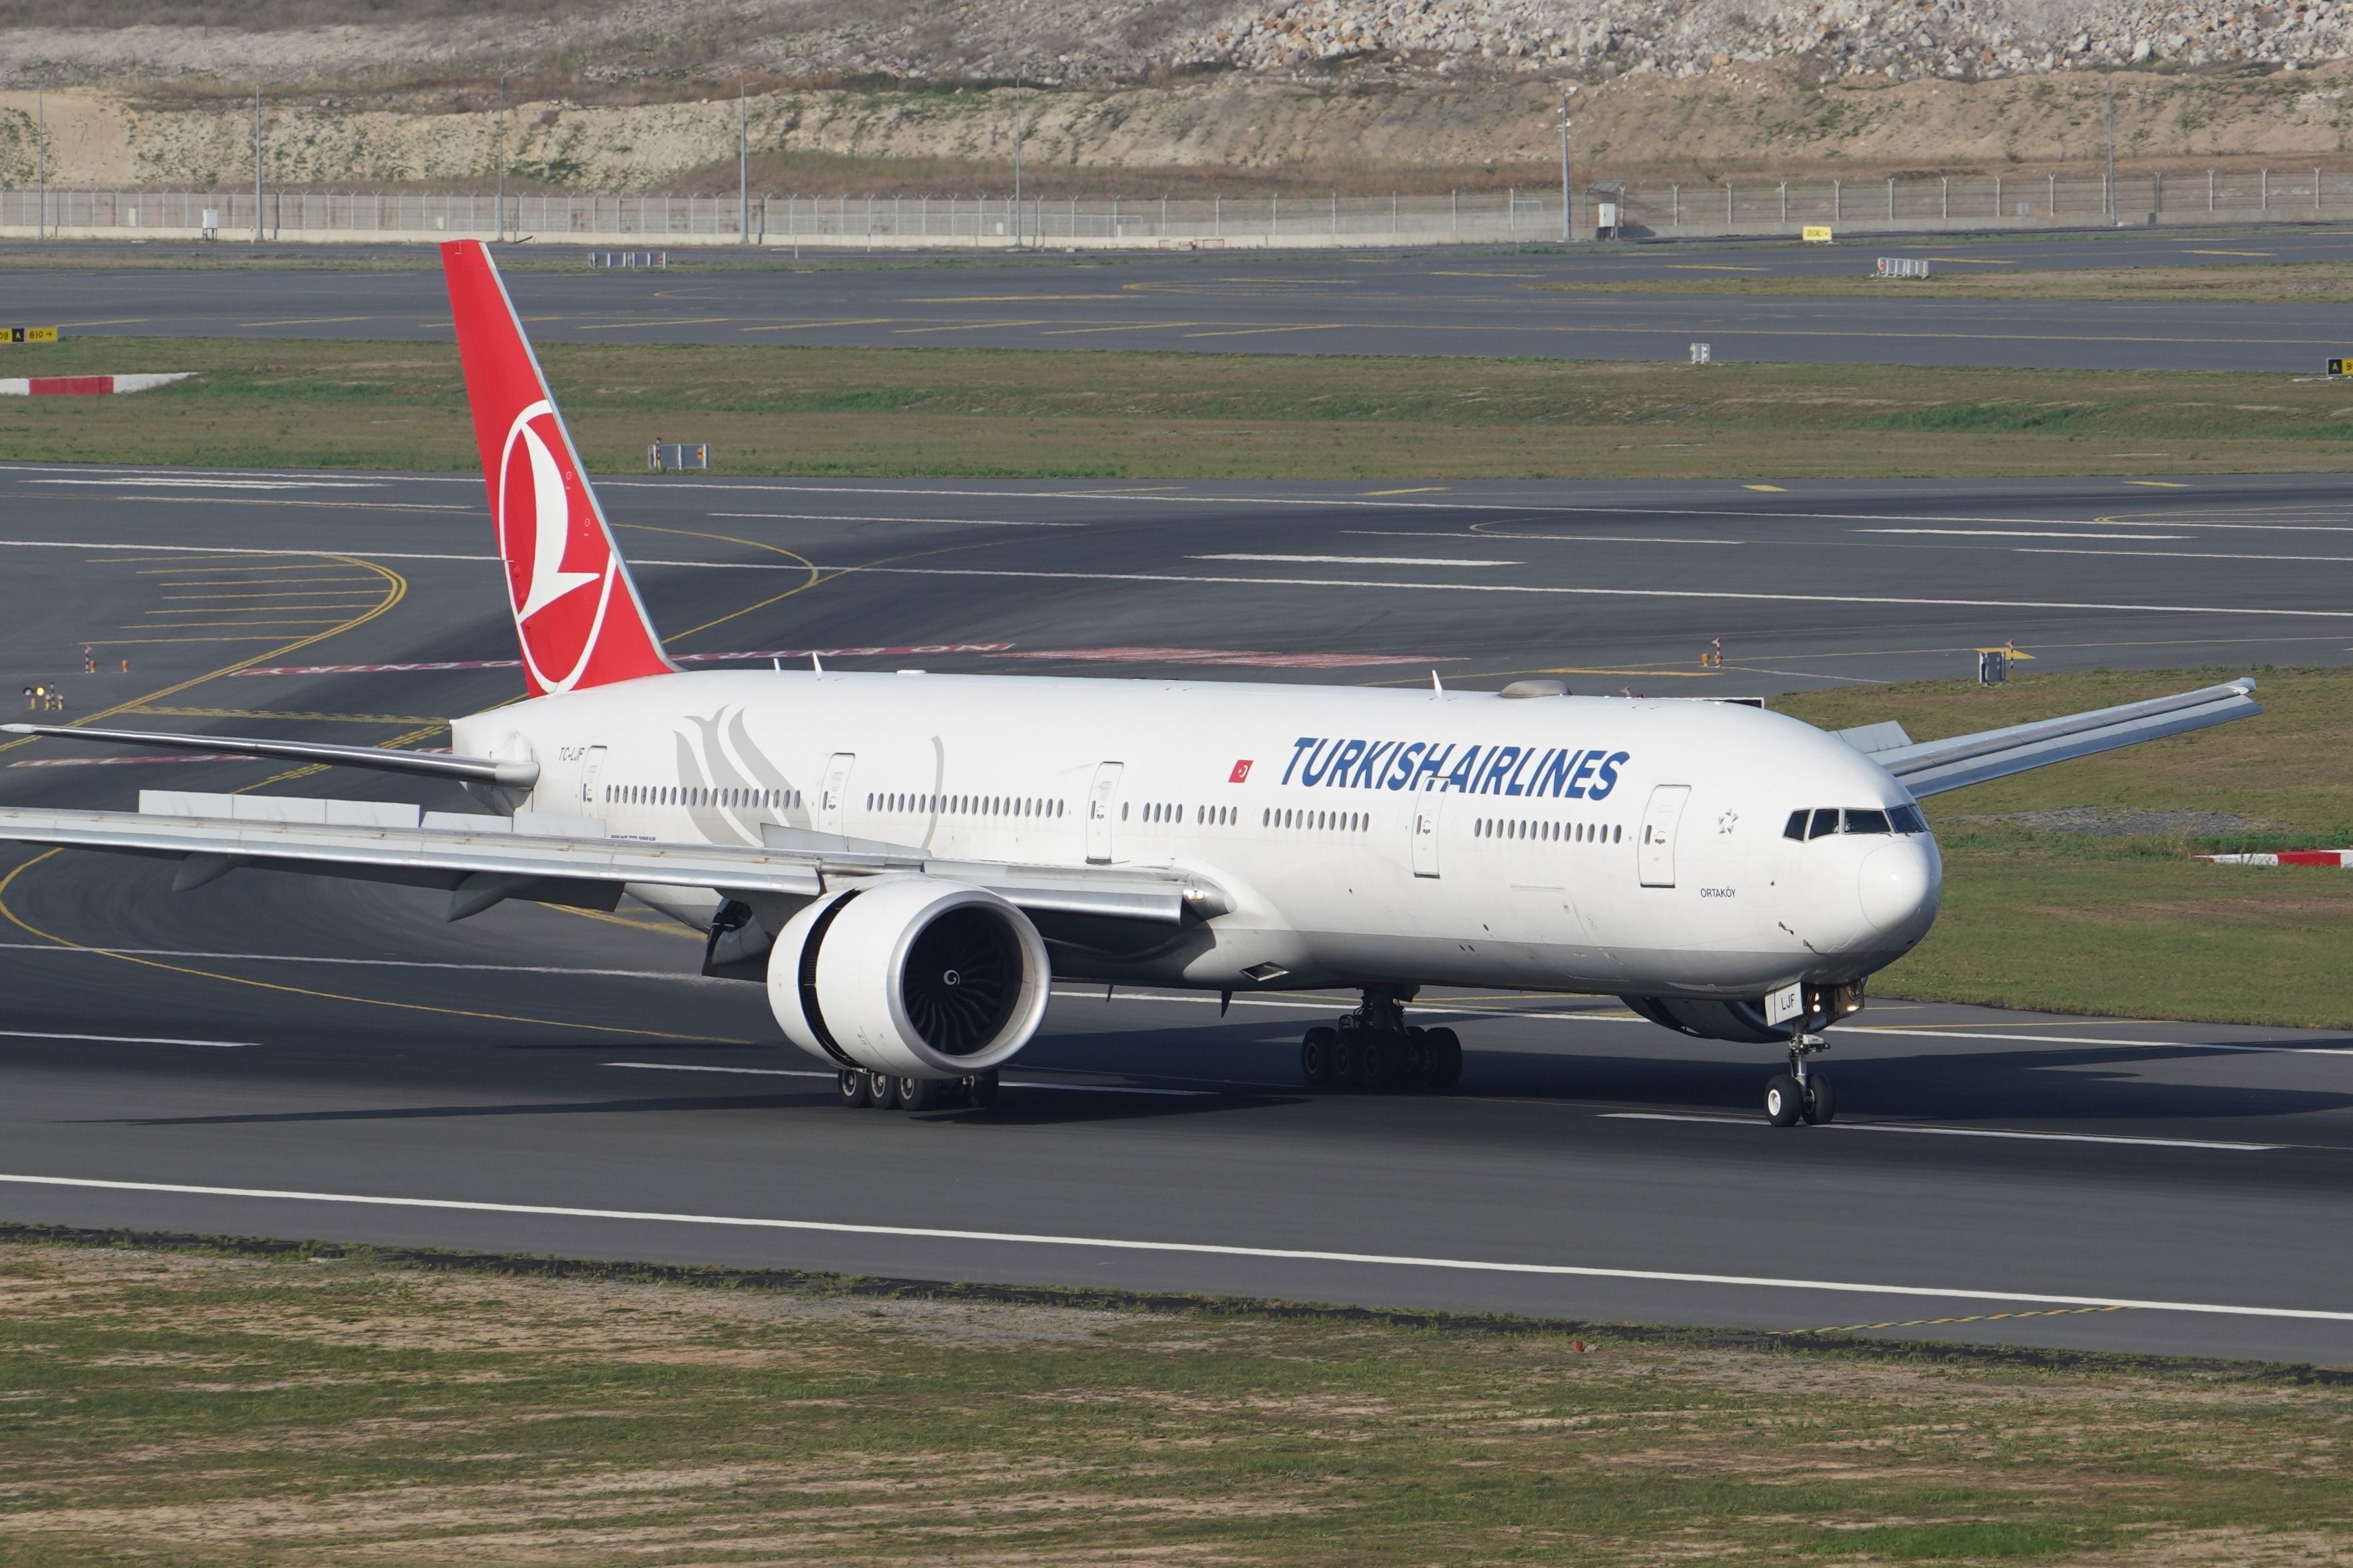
[1584, 771]
[1526, 758]
[1608, 780]
[1460, 778]
[1319, 761]
[1433, 765]
[1498, 763]
[1553, 774]
[1299, 749]
[1401, 766]
[1367, 774]
[1337, 770]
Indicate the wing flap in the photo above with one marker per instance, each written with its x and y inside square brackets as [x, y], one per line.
[1931, 767]
[521, 774]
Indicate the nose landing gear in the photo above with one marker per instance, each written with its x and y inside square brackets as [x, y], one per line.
[1799, 1095]
[1373, 1049]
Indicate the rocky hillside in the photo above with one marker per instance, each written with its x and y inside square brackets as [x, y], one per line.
[681, 46]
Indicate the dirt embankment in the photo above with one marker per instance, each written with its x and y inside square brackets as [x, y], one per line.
[1740, 120]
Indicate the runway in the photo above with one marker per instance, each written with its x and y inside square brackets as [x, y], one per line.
[270, 1056]
[1474, 303]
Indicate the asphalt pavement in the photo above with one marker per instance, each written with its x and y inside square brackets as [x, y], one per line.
[277, 1056]
[1456, 302]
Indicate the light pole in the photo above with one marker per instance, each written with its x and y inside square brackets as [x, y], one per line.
[742, 168]
[2112, 148]
[1017, 110]
[503, 158]
[257, 165]
[1567, 226]
[41, 161]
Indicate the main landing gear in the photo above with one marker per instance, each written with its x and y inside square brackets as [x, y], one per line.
[1372, 1048]
[975, 1091]
[1798, 1095]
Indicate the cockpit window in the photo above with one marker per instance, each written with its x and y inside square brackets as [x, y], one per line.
[1826, 820]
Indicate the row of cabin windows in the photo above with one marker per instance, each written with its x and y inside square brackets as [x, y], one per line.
[700, 795]
[1827, 820]
[1159, 812]
[965, 805]
[1551, 832]
[1315, 821]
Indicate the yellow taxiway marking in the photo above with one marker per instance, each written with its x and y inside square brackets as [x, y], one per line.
[109, 321]
[1001, 298]
[2230, 253]
[962, 327]
[2158, 484]
[302, 321]
[1440, 273]
[1775, 490]
[1255, 332]
[812, 326]
[1704, 267]
[302, 593]
[144, 642]
[273, 713]
[651, 321]
[1138, 327]
[1973, 1318]
[1971, 261]
[1416, 490]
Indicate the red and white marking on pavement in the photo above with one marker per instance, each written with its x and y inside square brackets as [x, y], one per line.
[85, 385]
[2339, 859]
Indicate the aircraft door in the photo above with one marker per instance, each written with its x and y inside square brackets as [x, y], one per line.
[835, 795]
[1429, 810]
[589, 770]
[1656, 848]
[1102, 802]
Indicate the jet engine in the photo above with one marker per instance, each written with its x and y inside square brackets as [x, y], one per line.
[1744, 1020]
[913, 976]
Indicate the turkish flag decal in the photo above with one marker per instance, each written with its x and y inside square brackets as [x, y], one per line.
[1240, 773]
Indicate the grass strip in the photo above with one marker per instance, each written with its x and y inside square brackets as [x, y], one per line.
[770, 409]
[2073, 889]
[323, 1406]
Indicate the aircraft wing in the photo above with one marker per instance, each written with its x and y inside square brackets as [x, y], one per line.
[1931, 767]
[520, 774]
[482, 860]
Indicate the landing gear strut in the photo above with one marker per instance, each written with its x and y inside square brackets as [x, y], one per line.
[1799, 1095]
[1374, 1048]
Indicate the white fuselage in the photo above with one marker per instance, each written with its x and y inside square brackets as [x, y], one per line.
[1358, 837]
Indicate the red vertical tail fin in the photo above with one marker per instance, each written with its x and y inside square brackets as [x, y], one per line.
[576, 613]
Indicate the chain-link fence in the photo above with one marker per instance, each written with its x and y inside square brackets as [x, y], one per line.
[1661, 208]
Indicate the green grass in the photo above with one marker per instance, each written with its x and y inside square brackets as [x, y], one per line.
[769, 409]
[194, 1408]
[2133, 925]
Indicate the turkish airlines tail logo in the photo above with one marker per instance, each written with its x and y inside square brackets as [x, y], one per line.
[576, 613]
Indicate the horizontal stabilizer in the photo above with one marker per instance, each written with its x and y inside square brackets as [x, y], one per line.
[430, 765]
[1931, 767]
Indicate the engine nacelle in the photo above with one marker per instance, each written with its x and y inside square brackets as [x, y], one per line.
[914, 976]
[1744, 1020]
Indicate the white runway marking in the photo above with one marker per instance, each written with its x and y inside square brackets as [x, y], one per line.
[236, 550]
[1961, 1033]
[1362, 560]
[1544, 538]
[853, 517]
[127, 1040]
[1002, 1083]
[1950, 1132]
[1745, 596]
[568, 971]
[2188, 555]
[2020, 533]
[1186, 1248]
[208, 483]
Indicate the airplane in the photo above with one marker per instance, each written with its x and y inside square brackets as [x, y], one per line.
[905, 859]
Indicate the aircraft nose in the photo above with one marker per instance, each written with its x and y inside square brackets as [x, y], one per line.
[1900, 884]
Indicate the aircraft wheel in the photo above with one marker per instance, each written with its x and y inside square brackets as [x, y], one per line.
[1445, 1059]
[1823, 1104]
[852, 1083]
[1784, 1102]
[1317, 1050]
[922, 1093]
[980, 1088]
[1379, 1063]
[1420, 1061]
[882, 1091]
[1347, 1060]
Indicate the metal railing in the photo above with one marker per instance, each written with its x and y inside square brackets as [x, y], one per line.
[1483, 217]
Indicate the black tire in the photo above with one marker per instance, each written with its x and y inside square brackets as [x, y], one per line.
[1821, 1106]
[1379, 1062]
[1420, 1061]
[1783, 1102]
[1317, 1050]
[980, 1089]
[1347, 1058]
[853, 1087]
[922, 1093]
[882, 1091]
[1445, 1059]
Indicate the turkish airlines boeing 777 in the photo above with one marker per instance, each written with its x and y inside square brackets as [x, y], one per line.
[903, 859]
